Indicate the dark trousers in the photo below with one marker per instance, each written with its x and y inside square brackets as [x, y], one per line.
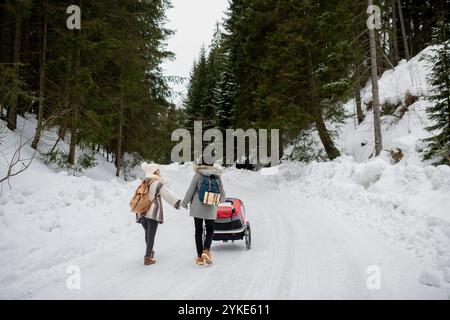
[150, 226]
[209, 224]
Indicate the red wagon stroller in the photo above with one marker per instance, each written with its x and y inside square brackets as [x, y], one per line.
[231, 223]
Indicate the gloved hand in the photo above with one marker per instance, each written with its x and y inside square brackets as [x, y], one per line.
[184, 205]
[177, 204]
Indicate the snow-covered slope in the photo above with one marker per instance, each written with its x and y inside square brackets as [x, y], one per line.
[405, 133]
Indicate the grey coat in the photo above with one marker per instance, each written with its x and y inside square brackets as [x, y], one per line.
[198, 209]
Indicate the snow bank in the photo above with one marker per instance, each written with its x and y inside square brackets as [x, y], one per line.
[49, 221]
[430, 279]
[406, 204]
[447, 276]
[405, 133]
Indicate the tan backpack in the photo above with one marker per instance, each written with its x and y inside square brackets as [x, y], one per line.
[140, 203]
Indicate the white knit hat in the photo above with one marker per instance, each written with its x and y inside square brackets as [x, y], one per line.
[149, 168]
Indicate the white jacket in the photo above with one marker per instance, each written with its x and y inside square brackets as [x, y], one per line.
[158, 190]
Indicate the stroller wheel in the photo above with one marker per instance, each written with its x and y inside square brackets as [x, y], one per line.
[248, 236]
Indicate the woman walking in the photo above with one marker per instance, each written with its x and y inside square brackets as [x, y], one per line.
[154, 216]
[203, 213]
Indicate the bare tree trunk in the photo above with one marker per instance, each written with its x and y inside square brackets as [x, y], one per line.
[330, 149]
[74, 121]
[62, 131]
[12, 113]
[119, 138]
[357, 93]
[375, 96]
[383, 65]
[73, 142]
[4, 37]
[394, 34]
[402, 25]
[357, 84]
[76, 101]
[66, 101]
[40, 119]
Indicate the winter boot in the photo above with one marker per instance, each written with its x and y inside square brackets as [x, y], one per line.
[148, 260]
[207, 256]
[199, 261]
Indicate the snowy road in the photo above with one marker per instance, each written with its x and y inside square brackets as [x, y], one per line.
[301, 250]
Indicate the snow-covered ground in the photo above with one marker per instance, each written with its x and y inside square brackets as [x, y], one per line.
[305, 244]
[318, 232]
[326, 230]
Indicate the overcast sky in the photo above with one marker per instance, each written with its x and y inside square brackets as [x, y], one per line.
[194, 22]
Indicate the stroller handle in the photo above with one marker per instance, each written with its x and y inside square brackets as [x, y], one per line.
[230, 200]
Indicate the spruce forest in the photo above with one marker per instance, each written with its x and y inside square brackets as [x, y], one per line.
[271, 64]
[101, 85]
[291, 64]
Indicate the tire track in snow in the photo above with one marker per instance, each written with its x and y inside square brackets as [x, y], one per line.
[301, 249]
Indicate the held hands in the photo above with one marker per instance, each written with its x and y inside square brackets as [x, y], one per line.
[179, 204]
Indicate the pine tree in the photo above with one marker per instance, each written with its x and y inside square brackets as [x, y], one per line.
[215, 66]
[198, 100]
[42, 71]
[304, 63]
[21, 10]
[375, 92]
[223, 98]
[248, 24]
[103, 84]
[439, 113]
